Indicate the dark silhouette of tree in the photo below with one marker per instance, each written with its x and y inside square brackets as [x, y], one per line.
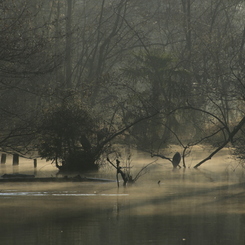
[74, 140]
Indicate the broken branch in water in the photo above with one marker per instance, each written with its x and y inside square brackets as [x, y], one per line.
[127, 178]
[119, 171]
[143, 171]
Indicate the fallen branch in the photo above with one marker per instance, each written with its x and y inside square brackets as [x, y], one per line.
[230, 138]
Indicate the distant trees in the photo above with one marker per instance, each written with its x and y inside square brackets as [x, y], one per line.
[163, 85]
[24, 66]
[111, 56]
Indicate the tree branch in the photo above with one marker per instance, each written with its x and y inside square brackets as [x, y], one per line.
[231, 135]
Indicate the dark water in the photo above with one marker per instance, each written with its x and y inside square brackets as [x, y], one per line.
[189, 206]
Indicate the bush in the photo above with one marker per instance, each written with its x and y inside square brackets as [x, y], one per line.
[66, 137]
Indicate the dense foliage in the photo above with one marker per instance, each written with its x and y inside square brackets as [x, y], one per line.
[65, 137]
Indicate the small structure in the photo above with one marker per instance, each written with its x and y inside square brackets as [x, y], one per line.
[3, 158]
[15, 159]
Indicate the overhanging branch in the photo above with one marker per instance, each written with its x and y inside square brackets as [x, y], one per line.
[230, 138]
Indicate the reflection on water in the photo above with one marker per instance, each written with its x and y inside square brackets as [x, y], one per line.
[188, 206]
[44, 193]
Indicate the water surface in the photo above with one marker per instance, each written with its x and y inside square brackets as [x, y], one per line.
[188, 206]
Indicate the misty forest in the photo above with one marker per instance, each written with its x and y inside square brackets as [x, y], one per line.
[80, 80]
[133, 115]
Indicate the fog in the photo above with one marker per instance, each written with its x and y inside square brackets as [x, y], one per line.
[188, 206]
[98, 87]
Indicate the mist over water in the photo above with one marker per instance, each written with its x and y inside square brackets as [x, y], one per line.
[188, 206]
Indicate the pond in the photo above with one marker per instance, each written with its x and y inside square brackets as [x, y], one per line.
[187, 206]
